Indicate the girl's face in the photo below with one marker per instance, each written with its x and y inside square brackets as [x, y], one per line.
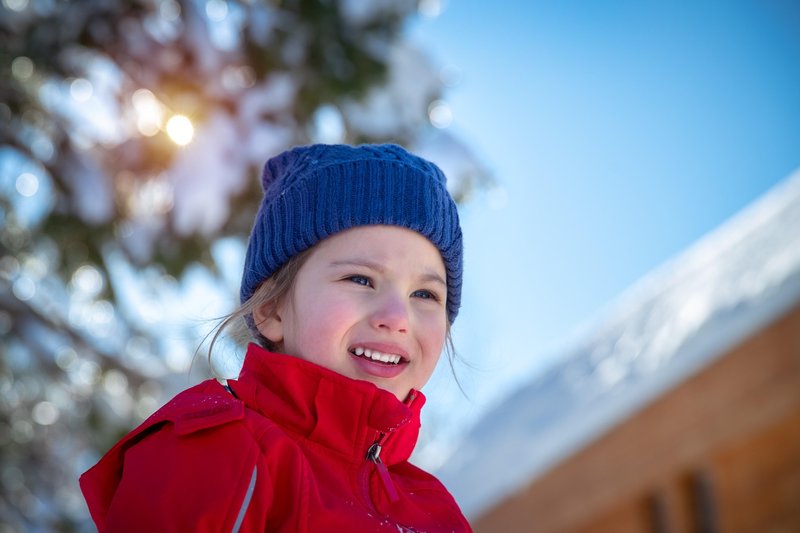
[368, 303]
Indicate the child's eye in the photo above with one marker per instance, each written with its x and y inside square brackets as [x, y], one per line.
[426, 295]
[361, 280]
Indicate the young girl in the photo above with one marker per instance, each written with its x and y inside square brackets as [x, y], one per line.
[351, 281]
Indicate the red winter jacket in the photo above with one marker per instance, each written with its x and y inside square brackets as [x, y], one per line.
[294, 447]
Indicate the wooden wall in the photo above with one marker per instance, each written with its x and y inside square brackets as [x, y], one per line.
[720, 452]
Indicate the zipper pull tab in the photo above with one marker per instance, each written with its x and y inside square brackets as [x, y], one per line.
[373, 454]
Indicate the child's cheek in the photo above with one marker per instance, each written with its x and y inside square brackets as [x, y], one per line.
[432, 330]
[334, 318]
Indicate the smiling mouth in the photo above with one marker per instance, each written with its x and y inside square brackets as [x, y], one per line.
[377, 357]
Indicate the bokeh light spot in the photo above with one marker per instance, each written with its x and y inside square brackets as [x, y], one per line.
[24, 288]
[81, 89]
[238, 77]
[115, 383]
[142, 99]
[34, 267]
[180, 130]
[9, 267]
[87, 373]
[440, 114]
[42, 148]
[66, 357]
[170, 10]
[45, 413]
[27, 184]
[102, 313]
[22, 431]
[16, 5]
[216, 10]
[149, 111]
[22, 68]
[147, 127]
[87, 279]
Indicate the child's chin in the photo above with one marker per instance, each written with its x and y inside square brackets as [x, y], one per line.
[399, 394]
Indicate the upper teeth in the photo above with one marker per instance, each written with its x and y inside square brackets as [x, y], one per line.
[378, 356]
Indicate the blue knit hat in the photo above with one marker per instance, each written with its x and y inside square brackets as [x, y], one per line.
[312, 192]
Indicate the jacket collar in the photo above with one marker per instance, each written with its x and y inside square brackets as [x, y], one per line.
[342, 414]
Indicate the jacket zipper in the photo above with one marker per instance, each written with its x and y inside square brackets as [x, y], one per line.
[374, 455]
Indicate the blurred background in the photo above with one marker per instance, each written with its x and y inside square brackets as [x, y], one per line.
[589, 144]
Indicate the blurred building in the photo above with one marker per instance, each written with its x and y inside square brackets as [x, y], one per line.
[680, 411]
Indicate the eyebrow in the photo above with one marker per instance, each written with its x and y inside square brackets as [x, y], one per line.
[377, 267]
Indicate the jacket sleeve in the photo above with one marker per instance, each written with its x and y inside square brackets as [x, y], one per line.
[202, 481]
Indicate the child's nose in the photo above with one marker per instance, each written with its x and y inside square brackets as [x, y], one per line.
[391, 313]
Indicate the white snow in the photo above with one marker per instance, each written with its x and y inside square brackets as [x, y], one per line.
[400, 104]
[205, 174]
[215, 165]
[459, 163]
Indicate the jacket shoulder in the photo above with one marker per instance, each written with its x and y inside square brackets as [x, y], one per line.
[176, 464]
[201, 407]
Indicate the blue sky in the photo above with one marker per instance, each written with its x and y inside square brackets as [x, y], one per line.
[620, 132]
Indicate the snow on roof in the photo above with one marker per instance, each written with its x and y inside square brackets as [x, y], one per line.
[669, 325]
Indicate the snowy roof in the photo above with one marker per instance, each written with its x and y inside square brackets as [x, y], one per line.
[671, 324]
